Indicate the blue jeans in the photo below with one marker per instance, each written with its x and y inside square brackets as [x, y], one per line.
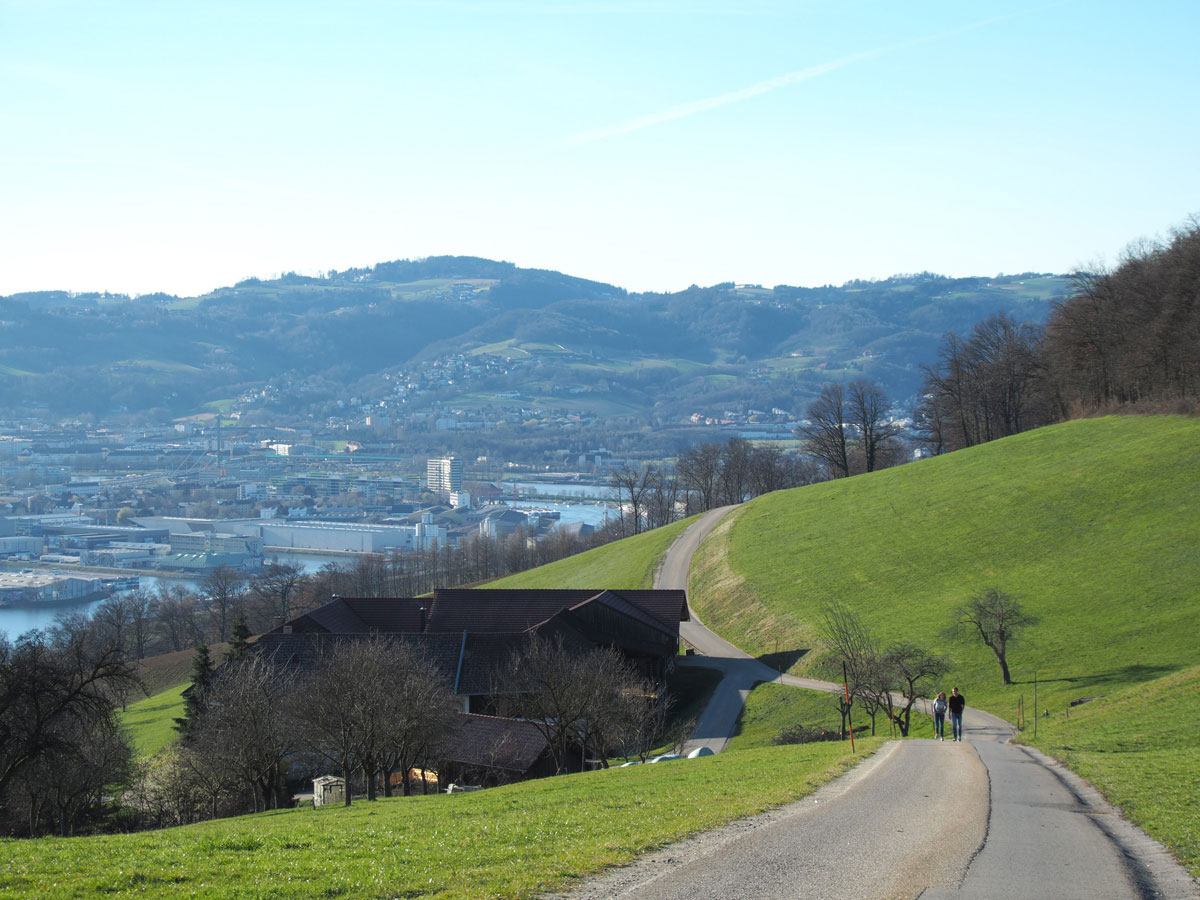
[939, 725]
[956, 722]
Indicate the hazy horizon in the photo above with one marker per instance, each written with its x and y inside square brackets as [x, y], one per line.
[651, 146]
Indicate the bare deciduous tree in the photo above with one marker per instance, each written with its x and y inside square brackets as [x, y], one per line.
[634, 485]
[909, 668]
[56, 694]
[224, 591]
[373, 705]
[699, 470]
[274, 591]
[869, 406]
[826, 430]
[570, 693]
[996, 618]
[245, 727]
[851, 643]
[735, 474]
[988, 386]
[176, 611]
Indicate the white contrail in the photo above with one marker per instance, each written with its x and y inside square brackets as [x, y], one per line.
[762, 87]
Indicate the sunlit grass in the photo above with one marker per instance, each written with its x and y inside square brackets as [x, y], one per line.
[1141, 747]
[1095, 524]
[771, 708]
[629, 563]
[516, 841]
[151, 722]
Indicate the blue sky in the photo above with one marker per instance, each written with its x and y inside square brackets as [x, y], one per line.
[181, 146]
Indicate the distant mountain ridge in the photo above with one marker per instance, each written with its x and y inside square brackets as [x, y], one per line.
[346, 333]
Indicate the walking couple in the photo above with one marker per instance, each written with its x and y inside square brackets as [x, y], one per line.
[954, 705]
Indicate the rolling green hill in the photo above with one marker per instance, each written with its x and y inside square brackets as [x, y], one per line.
[629, 564]
[151, 722]
[1094, 523]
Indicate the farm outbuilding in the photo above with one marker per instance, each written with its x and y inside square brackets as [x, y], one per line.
[328, 789]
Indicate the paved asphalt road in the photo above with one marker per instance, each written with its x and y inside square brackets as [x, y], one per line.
[975, 820]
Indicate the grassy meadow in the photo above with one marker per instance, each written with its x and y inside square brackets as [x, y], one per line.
[516, 841]
[1095, 524]
[151, 722]
[771, 708]
[630, 564]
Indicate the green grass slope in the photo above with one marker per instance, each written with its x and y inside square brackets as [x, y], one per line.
[509, 842]
[151, 722]
[629, 563]
[771, 708]
[1094, 523]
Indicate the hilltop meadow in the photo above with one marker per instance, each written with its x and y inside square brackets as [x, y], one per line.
[1094, 524]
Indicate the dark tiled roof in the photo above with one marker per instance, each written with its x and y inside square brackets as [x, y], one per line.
[483, 659]
[623, 605]
[494, 743]
[335, 616]
[669, 607]
[498, 611]
[389, 614]
[300, 651]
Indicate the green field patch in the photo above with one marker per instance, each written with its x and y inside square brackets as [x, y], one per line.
[721, 380]
[151, 722]
[792, 362]
[20, 373]
[499, 348]
[422, 285]
[545, 348]
[629, 563]
[160, 365]
[516, 841]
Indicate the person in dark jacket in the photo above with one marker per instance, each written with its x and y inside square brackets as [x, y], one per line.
[956, 702]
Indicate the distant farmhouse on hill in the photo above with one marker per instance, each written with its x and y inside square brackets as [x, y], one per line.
[469, 634]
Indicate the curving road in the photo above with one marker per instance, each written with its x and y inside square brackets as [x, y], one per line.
[975, 820]
[741, 671]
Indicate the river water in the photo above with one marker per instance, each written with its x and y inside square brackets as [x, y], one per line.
[14, 622]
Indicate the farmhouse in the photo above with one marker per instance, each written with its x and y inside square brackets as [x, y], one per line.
[467, 634]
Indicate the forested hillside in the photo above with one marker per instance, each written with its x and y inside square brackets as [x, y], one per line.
[305, 343]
